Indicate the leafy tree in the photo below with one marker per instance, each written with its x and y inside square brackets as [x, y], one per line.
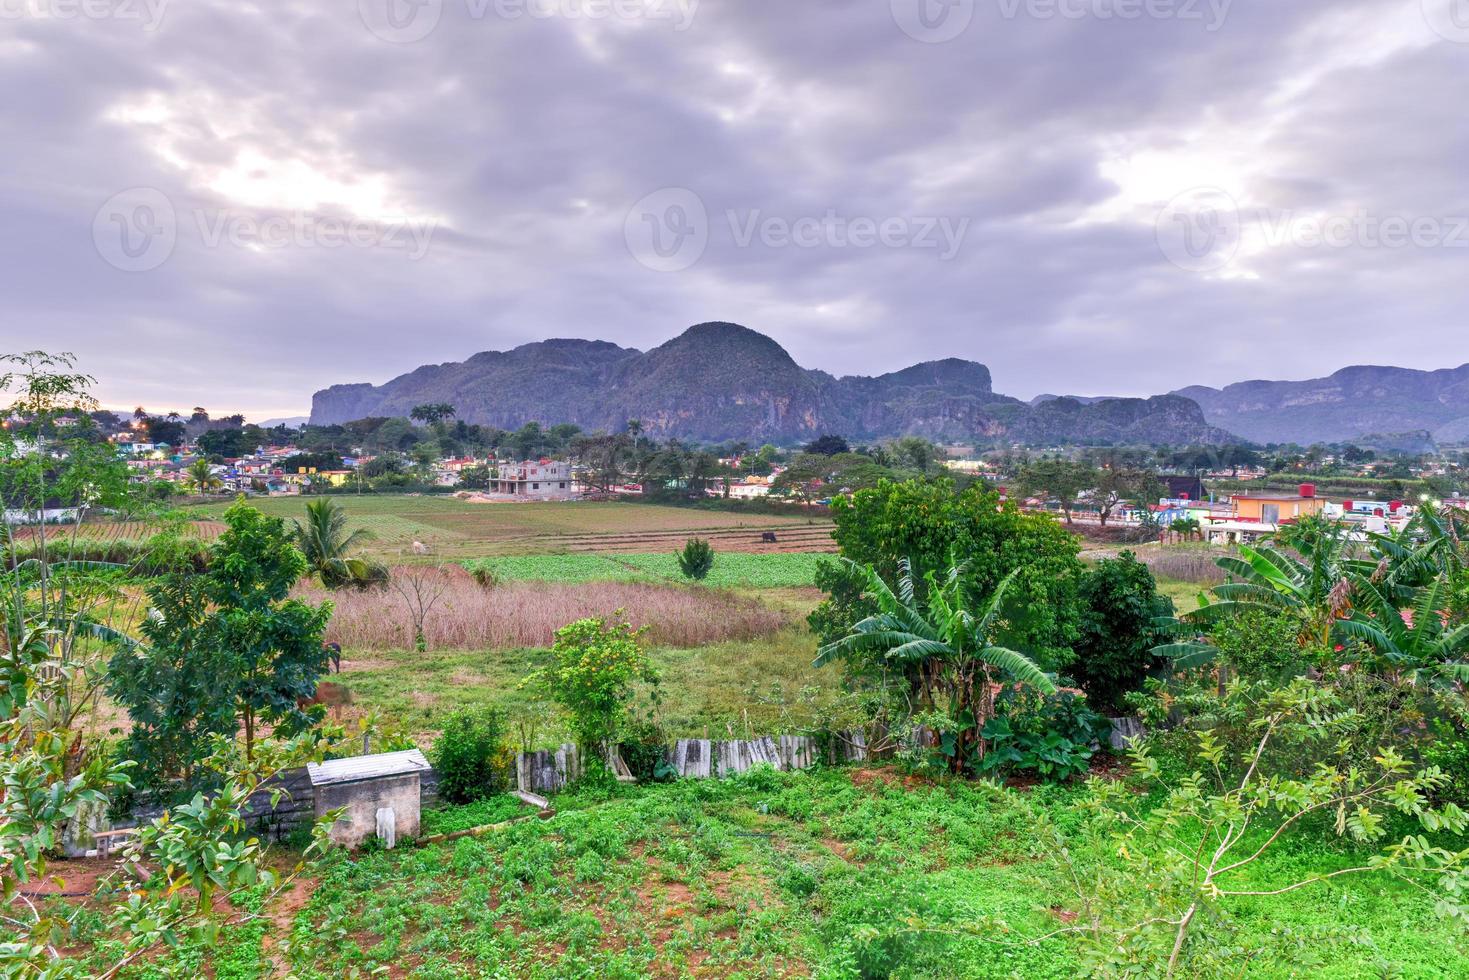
[595, 665]
[1120, 609]
[166, 430]
[177, 688]
[1062, 479]
[941, 648]
[696, 559]
[1195, 854]
[827, 446]
[1115, 486]
[915, 452]
[274, 641]
[933, 528]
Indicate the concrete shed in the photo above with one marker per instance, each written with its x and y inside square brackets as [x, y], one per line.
[379, 795]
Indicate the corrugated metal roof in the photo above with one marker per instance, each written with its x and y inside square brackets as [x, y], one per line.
[365, 767]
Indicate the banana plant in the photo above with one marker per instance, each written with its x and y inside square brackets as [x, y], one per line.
[1424, 648]
[942, 643]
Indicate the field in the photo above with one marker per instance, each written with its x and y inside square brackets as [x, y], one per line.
[458, 529]
[837, 873]
[731, 569]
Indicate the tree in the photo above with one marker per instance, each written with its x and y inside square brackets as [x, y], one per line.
[933, 527]
[595, 665]
[696, 559]
[1120, 609]
[433, 414]
[1061, 479]
[1115, 486]
[827, 446]
[1195, 853]
[327, 545]
[943, 647]
[177, 688]
[274, 641]
[420, 587]
[915, 452]
[201, 476]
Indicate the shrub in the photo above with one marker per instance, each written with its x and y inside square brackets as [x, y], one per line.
[1259, 644]
[472, 755]
[1120, 606]
[594, 667]
[1054, 737]
[696, 559]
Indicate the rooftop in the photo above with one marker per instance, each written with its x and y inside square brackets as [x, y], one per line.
[364, 767]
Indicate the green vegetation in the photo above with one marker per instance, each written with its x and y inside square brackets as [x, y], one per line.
[838, 874]
[696, 559]
[733, 569]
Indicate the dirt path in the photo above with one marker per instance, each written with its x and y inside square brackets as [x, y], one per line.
[282, 917]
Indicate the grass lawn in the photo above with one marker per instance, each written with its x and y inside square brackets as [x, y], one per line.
[835, 873]
[706, 691]
[456, 529]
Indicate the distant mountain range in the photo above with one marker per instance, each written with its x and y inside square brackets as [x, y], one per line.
[720, 381]
[1364, 403]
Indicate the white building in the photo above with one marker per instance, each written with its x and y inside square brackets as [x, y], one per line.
[544, 480]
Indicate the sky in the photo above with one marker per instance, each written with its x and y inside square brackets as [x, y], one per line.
[234, 204]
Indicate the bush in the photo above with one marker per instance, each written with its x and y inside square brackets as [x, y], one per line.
[472, 755]
[1054, 737]
[1260, 645]
[1120, 606]
[696, 559]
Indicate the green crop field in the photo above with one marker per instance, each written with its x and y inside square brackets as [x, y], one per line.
[452, 528]
[731, 569]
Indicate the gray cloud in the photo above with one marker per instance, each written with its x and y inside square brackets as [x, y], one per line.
[524, 143]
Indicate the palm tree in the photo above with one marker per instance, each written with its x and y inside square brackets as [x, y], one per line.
[940, 647]
[201, 475]
[325, 542]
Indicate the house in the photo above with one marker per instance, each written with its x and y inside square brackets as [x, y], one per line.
[543, 480]
[1273, 508]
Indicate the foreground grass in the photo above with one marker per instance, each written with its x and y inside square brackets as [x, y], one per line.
[835, 873]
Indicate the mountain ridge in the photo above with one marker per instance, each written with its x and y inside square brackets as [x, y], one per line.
[721, 381]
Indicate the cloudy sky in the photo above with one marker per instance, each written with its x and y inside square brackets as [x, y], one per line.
[233, 204]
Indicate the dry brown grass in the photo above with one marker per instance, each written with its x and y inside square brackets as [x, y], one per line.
[527, 614]
[1186, 563]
